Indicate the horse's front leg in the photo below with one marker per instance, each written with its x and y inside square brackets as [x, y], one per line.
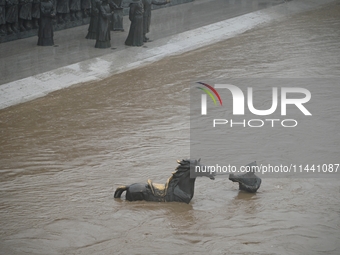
[136, 192]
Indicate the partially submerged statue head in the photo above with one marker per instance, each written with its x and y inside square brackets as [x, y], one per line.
[249, 181]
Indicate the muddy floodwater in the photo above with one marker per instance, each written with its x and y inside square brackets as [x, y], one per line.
[62, 156]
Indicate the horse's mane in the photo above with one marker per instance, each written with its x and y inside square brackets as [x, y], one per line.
[184, 166]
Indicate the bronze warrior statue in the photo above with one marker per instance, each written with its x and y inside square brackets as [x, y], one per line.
[117, 18]
[25, 14]
[45, 32]
[35, 13]
[103, 26]
[92, 30]
[63, 10]
[135, 36]
[75, 9]
[12, 16]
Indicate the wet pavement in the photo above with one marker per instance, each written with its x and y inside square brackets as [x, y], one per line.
[63, 155]
[22, 58]
[28, 71]
[72, 46]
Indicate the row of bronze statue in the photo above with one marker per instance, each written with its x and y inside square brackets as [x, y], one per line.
[24, 15]
[105, 16]
[102, 12]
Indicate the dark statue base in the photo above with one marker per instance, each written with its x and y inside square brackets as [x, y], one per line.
[45, 42]
[102, 45]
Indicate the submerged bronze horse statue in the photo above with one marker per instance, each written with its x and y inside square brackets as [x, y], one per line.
[179, 187]
[248, 182]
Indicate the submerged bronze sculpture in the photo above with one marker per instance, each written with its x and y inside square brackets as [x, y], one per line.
[249, 181]
[179, 187]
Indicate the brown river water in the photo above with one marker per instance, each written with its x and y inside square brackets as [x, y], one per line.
[62, 156]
